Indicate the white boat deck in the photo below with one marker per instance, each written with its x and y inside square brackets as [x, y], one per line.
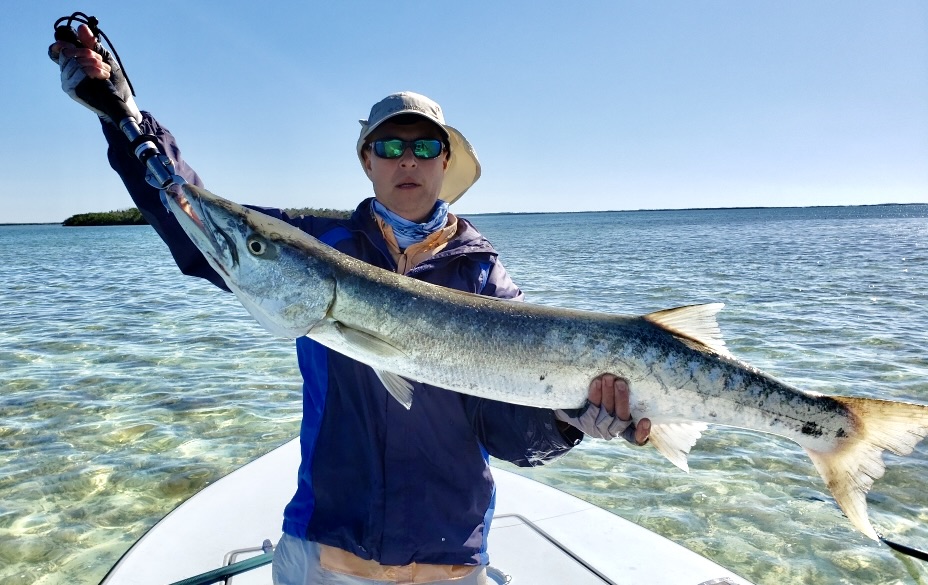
[539, 535]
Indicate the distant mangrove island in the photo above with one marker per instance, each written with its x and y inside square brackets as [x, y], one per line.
[121, 217]
[133, 216]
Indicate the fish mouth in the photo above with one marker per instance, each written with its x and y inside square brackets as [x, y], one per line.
[192, 211]
[230, 248]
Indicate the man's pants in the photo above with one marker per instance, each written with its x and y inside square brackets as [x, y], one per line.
[296, 562]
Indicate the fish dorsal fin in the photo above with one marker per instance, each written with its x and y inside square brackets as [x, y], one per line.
[695, 322]
[674, 440]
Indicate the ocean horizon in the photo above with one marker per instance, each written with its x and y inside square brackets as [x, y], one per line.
[493, 213]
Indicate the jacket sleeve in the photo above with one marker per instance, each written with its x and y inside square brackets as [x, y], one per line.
[523, 435]
[500, 285]
[148, 199]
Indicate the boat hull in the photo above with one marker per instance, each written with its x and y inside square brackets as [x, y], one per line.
[539, 535]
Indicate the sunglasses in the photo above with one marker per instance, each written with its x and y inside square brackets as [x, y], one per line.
[425, 148]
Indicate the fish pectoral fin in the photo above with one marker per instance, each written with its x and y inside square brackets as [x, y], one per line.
[368, 343]
[694, 322]
[674, 440]
[856, 462]
[398, 387]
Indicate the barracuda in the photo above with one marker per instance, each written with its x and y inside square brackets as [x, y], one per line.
[680, 373]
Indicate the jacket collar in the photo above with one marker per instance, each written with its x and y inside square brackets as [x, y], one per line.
[467, 241]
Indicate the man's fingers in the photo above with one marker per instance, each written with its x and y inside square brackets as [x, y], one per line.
[642, 431]
[612, 393]
[596, 391]
[608, 414]
[90, 61]
[86, 37]
[609, 393]
[93, 65]
[620, 399]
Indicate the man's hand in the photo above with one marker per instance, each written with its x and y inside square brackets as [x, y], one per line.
[85, 58]
[94, 62]
[607, 413]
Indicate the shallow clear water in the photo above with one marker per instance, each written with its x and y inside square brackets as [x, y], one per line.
[125, 387]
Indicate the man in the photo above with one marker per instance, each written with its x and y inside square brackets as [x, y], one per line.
[384, 494]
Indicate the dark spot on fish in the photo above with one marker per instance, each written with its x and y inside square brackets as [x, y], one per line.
[712, 414]
[812, 429]
[840, 433]
[542, 377]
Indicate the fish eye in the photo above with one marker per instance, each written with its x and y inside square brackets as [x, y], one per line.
[257, 246]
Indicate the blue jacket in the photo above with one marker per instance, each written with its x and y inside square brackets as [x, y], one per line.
[385, 483]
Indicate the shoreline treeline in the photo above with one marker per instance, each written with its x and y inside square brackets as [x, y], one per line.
[133, 216]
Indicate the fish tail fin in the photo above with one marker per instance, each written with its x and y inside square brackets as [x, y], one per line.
[850, 469]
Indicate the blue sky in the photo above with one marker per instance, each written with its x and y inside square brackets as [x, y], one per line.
[570, 105]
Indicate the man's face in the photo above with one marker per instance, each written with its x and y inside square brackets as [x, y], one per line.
[407, 186]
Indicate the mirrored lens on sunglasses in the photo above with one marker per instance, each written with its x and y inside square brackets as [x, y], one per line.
[394, 148]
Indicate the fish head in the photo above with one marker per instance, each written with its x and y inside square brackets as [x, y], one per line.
[268, 263]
